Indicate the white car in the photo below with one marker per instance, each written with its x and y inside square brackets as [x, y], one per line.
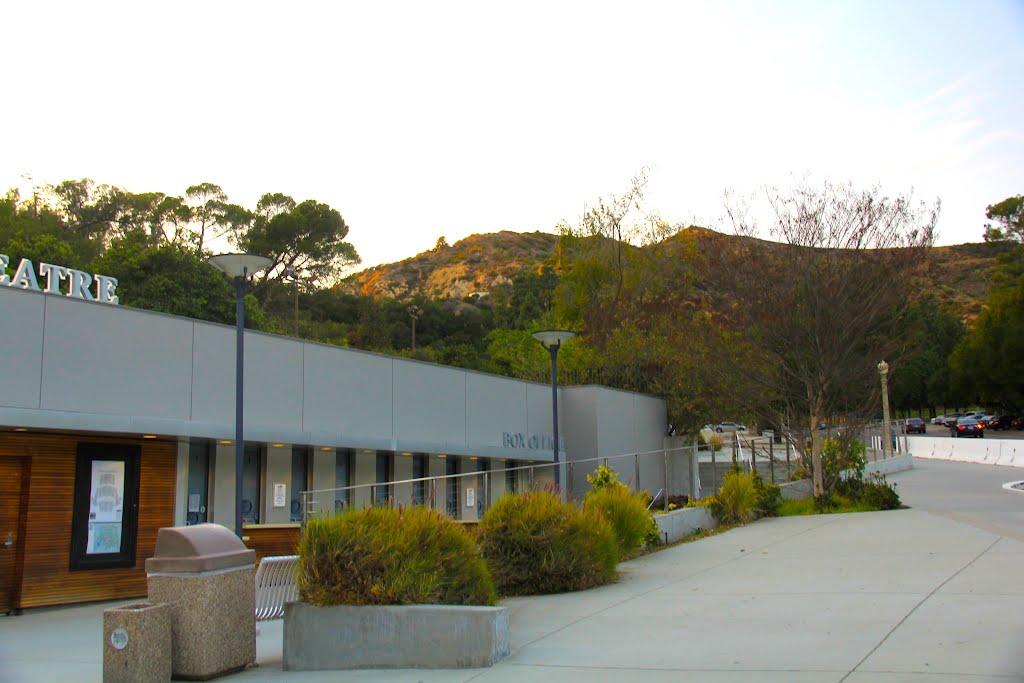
[730, 427]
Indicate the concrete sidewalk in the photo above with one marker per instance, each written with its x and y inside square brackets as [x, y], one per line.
[909, 595]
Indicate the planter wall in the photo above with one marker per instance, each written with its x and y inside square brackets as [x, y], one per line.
[393, 637]
[675, 525]
[804, 488]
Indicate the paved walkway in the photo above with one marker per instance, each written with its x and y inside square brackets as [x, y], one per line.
[930, 594]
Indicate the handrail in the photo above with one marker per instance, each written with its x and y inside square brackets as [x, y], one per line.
[308, 497]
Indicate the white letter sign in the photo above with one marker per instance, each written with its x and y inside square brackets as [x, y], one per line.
[78, 281]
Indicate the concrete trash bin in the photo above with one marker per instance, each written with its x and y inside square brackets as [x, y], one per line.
[206, 576]
[137, 643]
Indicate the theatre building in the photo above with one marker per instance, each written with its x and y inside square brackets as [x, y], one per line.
[115, 422]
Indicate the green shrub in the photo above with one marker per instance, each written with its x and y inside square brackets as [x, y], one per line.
[386, 556]
[826, 502]
[626, 512]
[534, 543]
[604, 477]
[851, 487]
[879, 494]
[735, 501]
[768, 497]
[839, 453]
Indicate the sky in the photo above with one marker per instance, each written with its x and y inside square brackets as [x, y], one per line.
[417, 120]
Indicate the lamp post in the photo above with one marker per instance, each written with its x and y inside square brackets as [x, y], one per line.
[239, 267]
[552, 341]
[883, 370]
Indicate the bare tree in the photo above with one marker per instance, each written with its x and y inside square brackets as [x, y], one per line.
[825, 304]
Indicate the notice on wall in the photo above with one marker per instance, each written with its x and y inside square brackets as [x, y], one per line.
[470, 497]
[280, 493]
[106, 507]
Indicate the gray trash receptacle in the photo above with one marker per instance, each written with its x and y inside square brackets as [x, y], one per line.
[206, 575]
[137, 643]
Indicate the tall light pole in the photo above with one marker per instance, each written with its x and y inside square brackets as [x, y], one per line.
[414, 312]
[883, 370]
[239, 267]
[552, 341]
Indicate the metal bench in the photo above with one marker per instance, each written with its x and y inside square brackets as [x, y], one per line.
[275, 585]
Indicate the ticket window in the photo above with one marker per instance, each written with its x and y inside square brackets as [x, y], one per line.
[342, 478]
[382, 492]
[301, 474]
[511, 477]
[419, 471]
[452, 487]
[252, 484]
[482, 487]
[200, 457]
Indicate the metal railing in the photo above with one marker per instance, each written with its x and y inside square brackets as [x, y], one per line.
[665, 470]
[692, 471]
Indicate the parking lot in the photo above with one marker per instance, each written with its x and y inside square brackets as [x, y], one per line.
[937, 431]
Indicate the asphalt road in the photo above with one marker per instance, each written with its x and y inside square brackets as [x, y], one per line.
[965, 492]
[936, 430]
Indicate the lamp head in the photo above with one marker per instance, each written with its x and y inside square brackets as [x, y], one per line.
[551, 338]
[239, 265]
[883, 368]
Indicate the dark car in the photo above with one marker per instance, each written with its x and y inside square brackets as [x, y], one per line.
[967, 426]
[1018, 422]
[916, 425]
[1001, 422]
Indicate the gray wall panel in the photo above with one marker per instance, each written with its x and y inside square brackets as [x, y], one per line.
[213, 384]
[430, 403]
[100, 358]
[347, 392]
[22, 358]
[273, 382]
[494, 406]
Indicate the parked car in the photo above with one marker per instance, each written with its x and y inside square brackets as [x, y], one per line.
[916, 425]
[984, 419]
[939, 420]
[1018, 422]
[1000, 422]
[950, 419]
[730, 427]
[968, 426]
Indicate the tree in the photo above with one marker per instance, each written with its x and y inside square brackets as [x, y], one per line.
[821, 303]
[172, 279]
[207, 202]
[306, 238]
[1009, 215]
[986, 364]
[89, 211]
[922, 378]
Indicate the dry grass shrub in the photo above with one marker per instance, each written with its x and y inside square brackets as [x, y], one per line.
[534, 543]
[385, 556]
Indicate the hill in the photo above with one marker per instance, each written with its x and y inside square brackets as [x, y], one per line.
[955, 276]
[470, 266]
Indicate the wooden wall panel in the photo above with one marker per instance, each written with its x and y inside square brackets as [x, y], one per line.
[46, 579]
[272, 539]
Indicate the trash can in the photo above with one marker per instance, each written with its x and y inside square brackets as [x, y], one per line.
[137, 643]
[206, 575]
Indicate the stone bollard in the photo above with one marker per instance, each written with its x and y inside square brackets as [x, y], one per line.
[137, 643]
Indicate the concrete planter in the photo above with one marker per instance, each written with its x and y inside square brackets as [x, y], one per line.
[393, 637]
[677, 524]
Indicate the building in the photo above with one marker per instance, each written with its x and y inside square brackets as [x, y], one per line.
[115, 422]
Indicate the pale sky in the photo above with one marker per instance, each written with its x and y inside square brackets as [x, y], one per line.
[422, 119]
